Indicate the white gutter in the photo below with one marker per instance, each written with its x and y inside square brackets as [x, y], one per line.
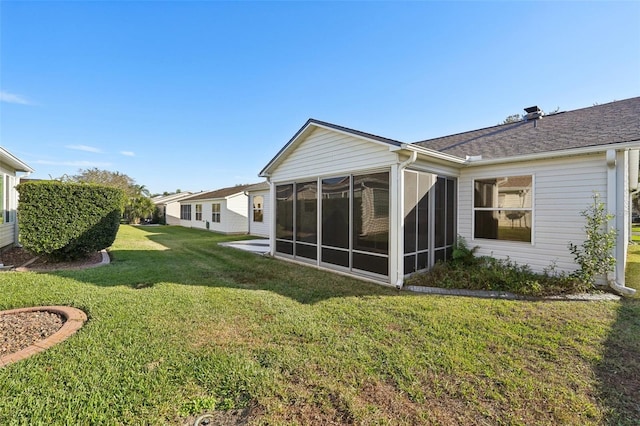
[400, 209]
[430, 152]
[615, 280]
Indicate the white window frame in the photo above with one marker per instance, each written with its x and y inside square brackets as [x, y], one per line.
[498, 208]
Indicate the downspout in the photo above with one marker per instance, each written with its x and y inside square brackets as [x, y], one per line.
[249, 212]
[400, 209]
[616, 280]
[272, 216]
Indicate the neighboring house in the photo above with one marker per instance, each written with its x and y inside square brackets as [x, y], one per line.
[382, 209]
[9, 167]
[259, 213]
[168, 207]
[223, 210]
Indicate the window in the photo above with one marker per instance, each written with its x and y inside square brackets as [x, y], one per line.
[258, 205]
[503, 208]
[215, 212]
[185, 212]
[198, 211]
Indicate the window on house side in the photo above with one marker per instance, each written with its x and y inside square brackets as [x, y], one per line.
[258, 205]
[502, 208]
[198, 211]
[185, 212]
[215, 212]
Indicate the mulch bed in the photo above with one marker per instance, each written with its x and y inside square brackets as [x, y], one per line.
[18, 258]
[21, 330]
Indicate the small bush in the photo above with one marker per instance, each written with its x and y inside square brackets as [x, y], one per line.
[595, 255]
[466, 271]
[68, 220]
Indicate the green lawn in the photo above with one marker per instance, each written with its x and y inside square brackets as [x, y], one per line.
[179, 326]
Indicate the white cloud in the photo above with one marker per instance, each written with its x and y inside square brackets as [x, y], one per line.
[12, 98]
[128, 153]
[85, 148]
[73, 163]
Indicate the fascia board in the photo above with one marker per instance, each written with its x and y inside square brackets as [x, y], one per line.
[13, 161]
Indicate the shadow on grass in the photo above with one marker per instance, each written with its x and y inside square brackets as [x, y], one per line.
[193, 257]
[619, 370]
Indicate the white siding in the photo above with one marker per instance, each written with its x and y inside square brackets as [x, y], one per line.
[7, 234]
[173, 213]
[233, 215]
[326, 152]
[563, 188]
[260, 229]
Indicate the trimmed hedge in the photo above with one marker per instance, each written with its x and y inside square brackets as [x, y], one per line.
[68, 220]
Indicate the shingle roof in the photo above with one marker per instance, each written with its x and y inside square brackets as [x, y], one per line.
[605, 124]
[218, 193]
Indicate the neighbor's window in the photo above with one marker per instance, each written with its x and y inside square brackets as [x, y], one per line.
[198, 211]
[502, 208]
[185, 212]
[215, 212]
[258, 205]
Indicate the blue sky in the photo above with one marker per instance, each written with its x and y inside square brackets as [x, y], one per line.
[201, 95]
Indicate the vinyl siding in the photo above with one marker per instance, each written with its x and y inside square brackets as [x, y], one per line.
[563, 188]
[7, 234]
[326, 152]
[233, 215]
[260, 229]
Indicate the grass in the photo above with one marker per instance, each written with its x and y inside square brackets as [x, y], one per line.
[179, 326]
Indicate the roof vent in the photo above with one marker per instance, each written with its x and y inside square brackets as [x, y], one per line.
[533, 113]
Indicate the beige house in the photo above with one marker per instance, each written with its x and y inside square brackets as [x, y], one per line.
[381, 209]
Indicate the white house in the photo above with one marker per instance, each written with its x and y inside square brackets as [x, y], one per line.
[259, 212]
[382, 209]
[168, 207]
[223, 210]
[10, 165]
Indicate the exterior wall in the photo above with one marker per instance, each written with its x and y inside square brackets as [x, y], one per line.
[233, 215]
[172, 213]
[260, 229]
[563, 188]
[7, 234]
[8, 229]
[234, 218]
[326, 152]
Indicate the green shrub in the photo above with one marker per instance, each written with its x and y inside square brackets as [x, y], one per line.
[595, 255]
[68, 220]
[466, 271]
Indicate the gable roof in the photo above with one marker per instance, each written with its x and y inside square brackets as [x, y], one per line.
[313, 124]
[262, 186]
[218, 193]
[14, 162]
[600, 125]
[171, 198]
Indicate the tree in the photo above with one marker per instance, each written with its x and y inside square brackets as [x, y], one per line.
[106, 178]
[512, 119]
[138, 205]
